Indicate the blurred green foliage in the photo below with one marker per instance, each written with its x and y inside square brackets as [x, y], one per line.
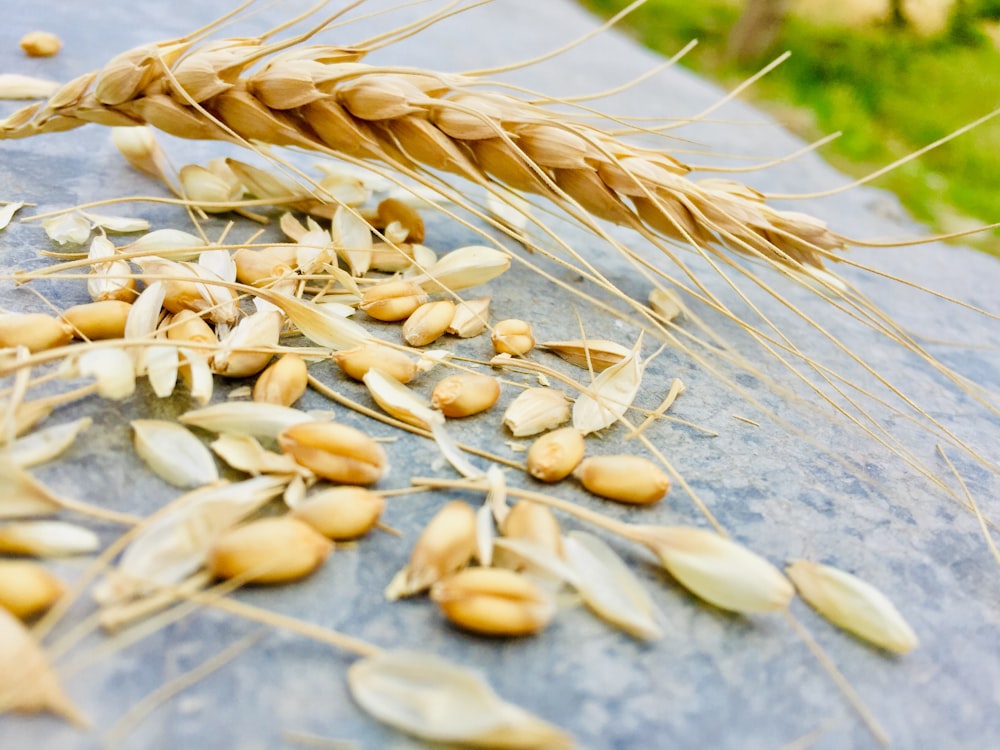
[890, 91]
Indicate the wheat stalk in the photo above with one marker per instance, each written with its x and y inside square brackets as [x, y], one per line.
[323, 98]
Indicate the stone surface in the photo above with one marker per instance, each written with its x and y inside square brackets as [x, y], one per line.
[807, 482]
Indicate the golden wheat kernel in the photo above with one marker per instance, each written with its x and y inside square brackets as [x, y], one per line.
[447, 543]
[494, 601]
[191, 327]
[627, 479]
[553, 456]
[341, 513]
[512, 336]
[358, 361]
[36, 331]
[41, 44]
[534, 523]
[258, 267]
[392, 300]
[428, 322]
[268, 550]
[465, 394]
[27, 589]
[283, 382]
[334, 451]
[393, 209]
[98, 320]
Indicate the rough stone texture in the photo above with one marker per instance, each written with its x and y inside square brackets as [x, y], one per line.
[805, 483]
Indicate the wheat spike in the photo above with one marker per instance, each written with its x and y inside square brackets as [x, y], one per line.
[323, 98]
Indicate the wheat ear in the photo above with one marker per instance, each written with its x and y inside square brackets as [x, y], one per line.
[323, 98]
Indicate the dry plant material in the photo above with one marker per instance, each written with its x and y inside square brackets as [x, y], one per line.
[356, 362]
[536, 410]
[47, 539]
[394, 211]
[43, 445]
[666, 303]
[283, 382]
[852, 604]
[609, 588]
[174, 453]
[430, 698]
[36, 331]
[590, 354]
[428, 322]
[463, 268]
[263, 266]
[398, 401]
[494, 601]
[244, 453]
[27, 589]
[627, 479]
[95, 321]
[23, 495]
[717, 569]
[40, 44]
[245, 418]
[14, 86]
[392, 300]
[268, 550]
[465, 394]
[68, 229]
[335, 452]
[471, 318]
[610, 395]
[513, 337]
[447, 543]
[554, 456]
[341, 513]
[28, 683]
[533, 523]
[7, 212]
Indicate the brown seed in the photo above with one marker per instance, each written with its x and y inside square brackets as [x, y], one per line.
[428, 322]
[98, 320]
[465, 394]
[553, 456]
[446, 544]
[283, 382]
[41, 44]
[358, 361]
[392, 300]
[341, 512]
[534, 523]
[36, 331]
[627, 479]
[269, 550]
[392, 209]
[494, 601]
[334, 451]
[27, 589]
[512, 336]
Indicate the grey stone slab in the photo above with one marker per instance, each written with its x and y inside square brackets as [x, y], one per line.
[806, 482]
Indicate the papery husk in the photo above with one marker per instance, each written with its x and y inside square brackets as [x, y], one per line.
[47, 539]
[536, 410]
[428, 697]
[28, 683]
[174, 453]
[245, 418]
[398, 401]
[610, 395]
[244, 453]
[595, 354]
[446, 544]
[43, 445]
[23, 495]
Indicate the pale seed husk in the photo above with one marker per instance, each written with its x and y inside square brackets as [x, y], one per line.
[590, 354]
[23, 495]
[96, 321]
[536, 410]
[335, 452]
[512, 336]
[494, 601]
[36, 331]
[393, 210]
[717, 569]
[852, 604]
[428, 322]
[471, 318]
[446, 544]
[244, 453]
[27, 589]
[463, 268]
[627, 479]
[391, 258]
[611, 393]
[465, 394]
[554, 456]
[268, 550]
[15, 86]
[283, 382]
[341, 513]
[358, 361]
[47, 539]
[245, 418]
[112, 369]
[174, 453]
[44, 444]
[68, 229]
[7, 213]
[392, 300]
[397, 400]
[260, 330]
[203, 186]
